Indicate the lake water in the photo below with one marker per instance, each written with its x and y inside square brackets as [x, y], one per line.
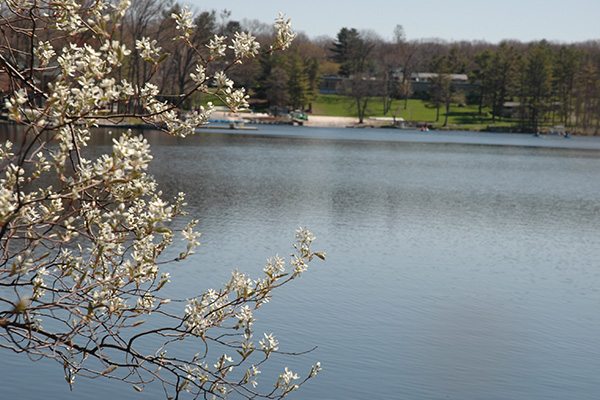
[460, 266]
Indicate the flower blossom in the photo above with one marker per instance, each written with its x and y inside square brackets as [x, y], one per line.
[269, 344]
[149, 50]
[95, 242]
[244, 45]
[184, 23]
[284, 35]
[199, 75]
[217, 46]
[44, 52]
[285, 382]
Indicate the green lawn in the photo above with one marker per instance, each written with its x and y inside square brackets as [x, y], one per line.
[204, 98]
[467, 117]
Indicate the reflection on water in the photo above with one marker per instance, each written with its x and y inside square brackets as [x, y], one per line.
[453, 271]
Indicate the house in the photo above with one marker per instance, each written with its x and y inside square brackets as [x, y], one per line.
[511, 109]
[421, 83]
[331, 84]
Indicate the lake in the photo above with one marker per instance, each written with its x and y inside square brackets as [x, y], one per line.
[460, 266]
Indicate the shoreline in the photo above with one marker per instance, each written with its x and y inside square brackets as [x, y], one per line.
[408, 136]
[243, 121]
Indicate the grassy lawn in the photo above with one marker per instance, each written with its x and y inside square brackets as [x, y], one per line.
[466, 117]
[204, 98]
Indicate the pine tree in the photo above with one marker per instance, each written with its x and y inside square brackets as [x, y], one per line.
[298, 86]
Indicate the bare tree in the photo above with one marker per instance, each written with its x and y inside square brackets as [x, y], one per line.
[362, 87]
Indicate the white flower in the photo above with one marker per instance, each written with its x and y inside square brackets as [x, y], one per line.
[146, 302]
[199, 76]
[217, 46]
[13, 104]
[269, 344]
[121, 7]
[20, 97]
[284, 35]
[286, 379]
[304, 236]
[253, 371]
[115, 52]
[244, 45]
[241, 284]
[149, 50]
[191, 237]
[67, 16]
[299, 265]
[38, 283]
[275, 266]
[184, 22]
[8, 201]
[237, 99]
[245, 317]
[149, 90]
[6, 150]
[314, 371]
[125, 89]
[44, 52]
[222, 81]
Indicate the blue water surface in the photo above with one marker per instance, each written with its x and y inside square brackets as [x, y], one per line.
[460, 266]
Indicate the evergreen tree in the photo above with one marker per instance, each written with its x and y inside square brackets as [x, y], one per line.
[502, 77]
[350, 51]
[312, 74]
[538, 78]
[565, 70]
[483, 75]
[277, 88]
[297, 82]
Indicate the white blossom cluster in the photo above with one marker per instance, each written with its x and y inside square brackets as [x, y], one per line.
[213, 308]
[217, 46]
[236, 99]
[199, 77]
[284, 35]
[14, 104]
[120, 8]
[149, 50]
[244, 45]
[184, 23]
[84, 240]
[286, 381]
[45, 52]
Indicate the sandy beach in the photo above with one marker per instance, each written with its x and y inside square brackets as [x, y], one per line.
[322, 121]
[330, 122]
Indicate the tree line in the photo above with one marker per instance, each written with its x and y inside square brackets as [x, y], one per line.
[529, 85]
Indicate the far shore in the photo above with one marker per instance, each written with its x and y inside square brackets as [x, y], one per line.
[237, 120]
[315, 121]
[323, 121]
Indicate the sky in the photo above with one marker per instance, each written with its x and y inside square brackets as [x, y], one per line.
[452, 20]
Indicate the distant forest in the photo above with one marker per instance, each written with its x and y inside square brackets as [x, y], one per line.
[529, 84]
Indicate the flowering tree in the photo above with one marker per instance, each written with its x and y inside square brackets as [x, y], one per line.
[83, 241]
